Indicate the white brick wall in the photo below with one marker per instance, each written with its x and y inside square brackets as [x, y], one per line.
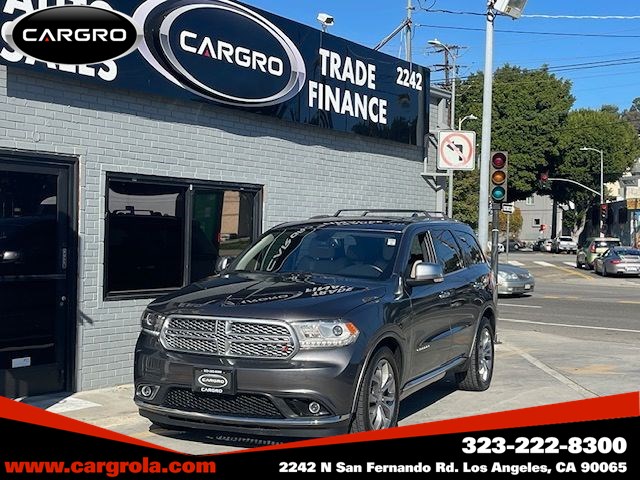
[305, 171]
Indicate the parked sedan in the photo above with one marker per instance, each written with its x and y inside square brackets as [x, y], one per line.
[546, 246]
[514, 280]
[618, 261]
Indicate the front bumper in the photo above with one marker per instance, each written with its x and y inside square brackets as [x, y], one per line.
[516, 287]
[271, 397]
[567, 248]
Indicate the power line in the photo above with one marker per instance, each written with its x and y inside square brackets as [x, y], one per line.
[585, 17]
[530, 32]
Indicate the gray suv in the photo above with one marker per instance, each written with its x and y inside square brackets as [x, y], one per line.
[321, 327]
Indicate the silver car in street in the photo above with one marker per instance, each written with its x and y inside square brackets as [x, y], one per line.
[618, 261]
[514, 280]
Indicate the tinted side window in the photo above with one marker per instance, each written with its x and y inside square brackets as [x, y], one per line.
[470, 248]
[416, 254]
[447, 252]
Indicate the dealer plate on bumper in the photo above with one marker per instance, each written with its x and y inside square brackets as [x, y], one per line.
[527, 287]
[214, 380]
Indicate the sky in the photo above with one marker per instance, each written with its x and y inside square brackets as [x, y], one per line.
[600, 56]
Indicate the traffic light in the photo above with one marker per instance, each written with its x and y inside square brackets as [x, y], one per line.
[544, 179]
[604, 213]
[499, 177]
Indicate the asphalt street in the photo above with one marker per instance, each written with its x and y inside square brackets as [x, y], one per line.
[577, 336]
[573, 302]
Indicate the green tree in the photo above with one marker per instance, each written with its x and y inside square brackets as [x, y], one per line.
[529, 109]
[515, 223]
[632, 115]
[599, 129]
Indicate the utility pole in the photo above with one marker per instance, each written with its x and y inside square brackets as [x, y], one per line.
[409, 31]
[485, 149]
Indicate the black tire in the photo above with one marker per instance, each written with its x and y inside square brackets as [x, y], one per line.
[579, 265]
[475, 378]
[604, 271]
[387, 406]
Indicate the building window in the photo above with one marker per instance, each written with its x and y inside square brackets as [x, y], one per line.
[536, 222]
[162, 234]
[529, 201]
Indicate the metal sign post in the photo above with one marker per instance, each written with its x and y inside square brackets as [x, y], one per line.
[494, 260]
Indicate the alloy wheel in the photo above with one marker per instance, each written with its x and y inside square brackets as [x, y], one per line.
[485, 355]
[382, 395]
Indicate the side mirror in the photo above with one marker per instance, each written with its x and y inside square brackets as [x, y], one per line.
[424, 273]
[222, 263]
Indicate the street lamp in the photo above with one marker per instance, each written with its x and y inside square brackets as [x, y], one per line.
[589, 149]
[449, 49]
[468, 117]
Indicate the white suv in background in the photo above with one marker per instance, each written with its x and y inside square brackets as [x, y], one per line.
[564, 244]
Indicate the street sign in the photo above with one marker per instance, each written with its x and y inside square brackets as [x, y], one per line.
[508, 208]
[456, 150]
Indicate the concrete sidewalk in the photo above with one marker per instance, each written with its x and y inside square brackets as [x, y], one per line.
[532, 368]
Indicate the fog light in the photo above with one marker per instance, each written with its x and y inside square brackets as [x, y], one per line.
[148, 392]
[314, 407]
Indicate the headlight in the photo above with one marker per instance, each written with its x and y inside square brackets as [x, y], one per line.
[325, 334]
[507, 276]
[152, 322]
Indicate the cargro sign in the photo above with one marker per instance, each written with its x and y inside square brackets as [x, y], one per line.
[238, 56]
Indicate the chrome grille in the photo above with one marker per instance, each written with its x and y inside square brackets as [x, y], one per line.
[228, 337]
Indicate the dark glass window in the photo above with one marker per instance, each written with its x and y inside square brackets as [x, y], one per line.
[447, 251]
[28, 223]
[163, 234]
[470, 249]
[145, 236]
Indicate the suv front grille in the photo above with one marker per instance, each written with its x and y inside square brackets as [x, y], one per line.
[240, 405]
[227, 337]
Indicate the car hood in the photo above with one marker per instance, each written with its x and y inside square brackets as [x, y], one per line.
[278, 297]
[505, 267]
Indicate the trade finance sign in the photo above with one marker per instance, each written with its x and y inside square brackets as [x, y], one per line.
[238, 56]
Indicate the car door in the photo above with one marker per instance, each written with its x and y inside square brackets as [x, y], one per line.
[458, 289]
[475, 293]
[429, 328]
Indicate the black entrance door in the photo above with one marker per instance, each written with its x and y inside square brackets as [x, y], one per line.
[35, 278]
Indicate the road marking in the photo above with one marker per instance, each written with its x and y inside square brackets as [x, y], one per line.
[519, 306]
[516, 263]
[553, 373]
[544, 264]
[573, 271]
[586, 327]
[565, 297]
[570, 264]
[630, 302]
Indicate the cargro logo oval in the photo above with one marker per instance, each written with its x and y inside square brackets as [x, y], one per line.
[222, 51]
[213, 380]
[73, 35]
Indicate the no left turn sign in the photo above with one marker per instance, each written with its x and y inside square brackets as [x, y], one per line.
[456, 150]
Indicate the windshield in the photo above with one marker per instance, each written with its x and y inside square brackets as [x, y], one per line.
[630, 251]
[328, 251]
[566, 239]
[605, 243]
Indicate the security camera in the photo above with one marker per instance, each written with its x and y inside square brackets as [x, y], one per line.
[326, 20]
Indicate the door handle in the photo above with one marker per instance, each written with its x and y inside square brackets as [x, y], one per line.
[63, 300]
[445, 294]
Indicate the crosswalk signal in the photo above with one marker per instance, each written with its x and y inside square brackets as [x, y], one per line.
[499, 177]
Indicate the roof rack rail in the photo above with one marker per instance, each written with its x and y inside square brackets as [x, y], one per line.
[433, 215]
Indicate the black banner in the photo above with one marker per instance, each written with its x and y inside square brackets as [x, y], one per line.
[594, 449]
[238, 56]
